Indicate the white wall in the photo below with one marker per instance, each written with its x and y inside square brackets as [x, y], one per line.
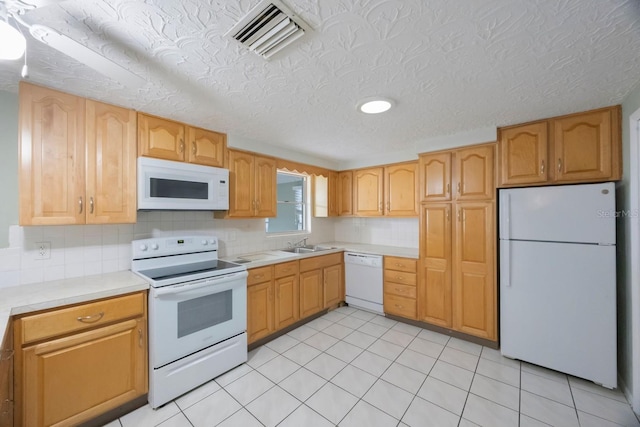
[626, 304]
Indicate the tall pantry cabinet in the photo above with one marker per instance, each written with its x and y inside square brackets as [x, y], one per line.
[457, 289]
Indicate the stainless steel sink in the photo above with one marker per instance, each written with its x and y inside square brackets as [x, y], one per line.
[306, 249]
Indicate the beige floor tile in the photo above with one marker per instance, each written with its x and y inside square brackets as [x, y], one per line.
[459, 358]
[496, 391]
[404, 377]
[603, 407]
[486, 413]
[273, 406]
[326, 366]
[302, 384]
[426, 414]
[250, 386]
[212, 410]
[241, 418]
[145, 416]
[551, 389]
[418, 361]
[389, 398]
[500, 372]
[365, 415]
[444, 395]
[198, 394]
[547, 410]
[332, 402]
[278, 368]
[303, 417]
[372, 363]
[385, 349]
[344, 351]
[354, 380]
[452, 374]
[302, 353]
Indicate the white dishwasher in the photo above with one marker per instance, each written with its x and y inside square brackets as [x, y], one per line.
[363, 277]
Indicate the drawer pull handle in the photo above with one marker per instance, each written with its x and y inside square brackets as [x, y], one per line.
[398, 264]
[259, 276]
[92, 318]
[140, 337]
[399, 278]
[399, 306]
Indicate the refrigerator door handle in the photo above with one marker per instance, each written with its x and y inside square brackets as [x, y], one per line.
[505, 263]
[505, 217]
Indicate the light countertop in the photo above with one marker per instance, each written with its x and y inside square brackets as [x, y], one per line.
[263, 258]
[41, 296]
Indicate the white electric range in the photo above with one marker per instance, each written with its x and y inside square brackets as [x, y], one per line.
[197, 313]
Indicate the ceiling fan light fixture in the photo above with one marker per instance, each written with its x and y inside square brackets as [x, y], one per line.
[375, 105]
[13, 43]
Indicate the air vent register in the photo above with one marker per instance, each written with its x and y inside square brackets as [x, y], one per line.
[268, 28]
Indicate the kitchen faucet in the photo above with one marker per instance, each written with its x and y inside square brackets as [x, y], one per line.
[299, 243]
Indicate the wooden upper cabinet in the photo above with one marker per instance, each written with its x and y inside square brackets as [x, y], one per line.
[77, 160]
[400, 189]
[368, 192]
[345, 193]
[583, 146]
[160, 138]
[241, 182]
[252, 185]
[52, 147]
[111, 164]
[474, 172]
[435, 252]
[334, 194]
[523, 154]
[435, 177]
[474, 288]
[205, 147]
[266, 187]
[169, 140]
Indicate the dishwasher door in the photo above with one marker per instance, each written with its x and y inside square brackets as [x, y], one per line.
[363, 281]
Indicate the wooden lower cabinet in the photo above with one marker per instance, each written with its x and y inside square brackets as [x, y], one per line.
[280, 295]
[6, 378]
[71, 378]
[400, 279]
[287, 301]
[474, 288]
[457, 287]
[435, 288]
[311, 292]
[260, 303]
[332, 285]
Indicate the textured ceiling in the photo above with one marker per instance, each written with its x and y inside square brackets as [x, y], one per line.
[451, 66]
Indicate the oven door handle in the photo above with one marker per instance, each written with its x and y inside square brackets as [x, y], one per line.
[208, 283]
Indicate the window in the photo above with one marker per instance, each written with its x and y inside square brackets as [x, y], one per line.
[292, 196]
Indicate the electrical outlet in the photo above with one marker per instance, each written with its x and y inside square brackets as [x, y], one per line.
[43, 250]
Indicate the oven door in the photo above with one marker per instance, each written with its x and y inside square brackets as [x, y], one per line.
[186, 318]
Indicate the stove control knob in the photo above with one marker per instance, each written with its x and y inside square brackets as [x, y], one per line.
[212, 242]
[155, 246]
[204, 242]
[143, 248]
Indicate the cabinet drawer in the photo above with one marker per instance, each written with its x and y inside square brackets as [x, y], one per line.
[285, 269]
[77, 318]
[320, 261]
[400, 306]
[402, 264]
[259, 275]
[400, 277]
[407, 291]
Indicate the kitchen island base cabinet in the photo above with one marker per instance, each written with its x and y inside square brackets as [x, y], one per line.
[76, 376]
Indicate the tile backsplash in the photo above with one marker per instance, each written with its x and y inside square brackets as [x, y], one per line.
[84, 250]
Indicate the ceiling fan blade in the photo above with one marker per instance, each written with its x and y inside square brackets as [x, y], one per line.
[84, 55]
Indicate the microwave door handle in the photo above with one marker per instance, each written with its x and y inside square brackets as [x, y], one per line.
[219, 284]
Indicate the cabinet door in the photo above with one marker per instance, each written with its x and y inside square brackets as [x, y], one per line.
[474, 290]
[205, 147]
[434, 295]
[160, 138]
[75, 378]
[474, 172]
[52, 150]
[400, 189]
[345, 193]
[310, 292]
[111, 164]
[435, 177]
[259, 311]
[332, 287]
[241, 182]
[287, 301]
[368, 192]
[583, 146]
[523, 154]
[6, 377]
[266, 187]
[334, 202]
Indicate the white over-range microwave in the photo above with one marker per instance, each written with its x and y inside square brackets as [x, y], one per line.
[169, 185]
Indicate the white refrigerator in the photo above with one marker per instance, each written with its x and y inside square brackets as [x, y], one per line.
[558, 278]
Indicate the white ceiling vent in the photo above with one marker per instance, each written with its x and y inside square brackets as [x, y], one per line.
[268, 28]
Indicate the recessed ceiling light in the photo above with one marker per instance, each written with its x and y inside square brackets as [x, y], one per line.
[375, 105]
